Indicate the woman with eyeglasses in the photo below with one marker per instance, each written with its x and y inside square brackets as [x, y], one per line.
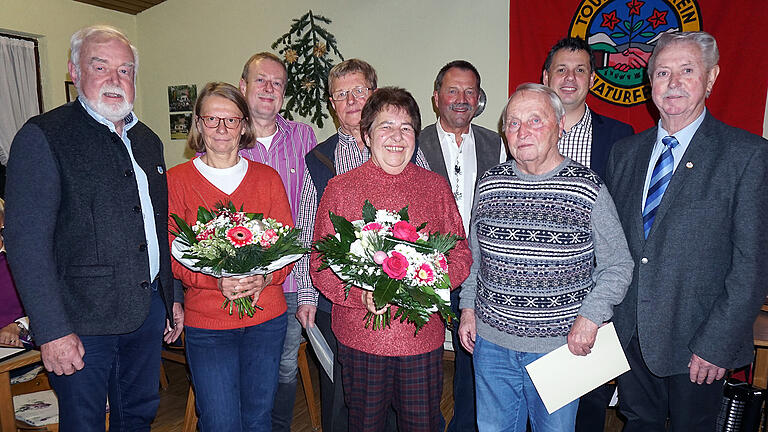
[233, 361]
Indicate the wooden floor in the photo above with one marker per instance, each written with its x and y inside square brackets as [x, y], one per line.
[170, 416]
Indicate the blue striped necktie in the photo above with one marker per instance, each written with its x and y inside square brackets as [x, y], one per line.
[660, 177]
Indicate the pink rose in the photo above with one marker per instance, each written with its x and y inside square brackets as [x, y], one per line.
[396, 266]
[379, 257]
[373, 226]
[405, 231]
[269, 234]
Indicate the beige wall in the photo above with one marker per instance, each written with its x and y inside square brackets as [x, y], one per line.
[53, 22]
[404, 40]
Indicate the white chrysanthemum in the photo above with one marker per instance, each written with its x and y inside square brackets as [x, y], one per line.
[357, 248]
[386, 217]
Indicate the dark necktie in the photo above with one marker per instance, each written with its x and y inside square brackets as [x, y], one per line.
[660, 177]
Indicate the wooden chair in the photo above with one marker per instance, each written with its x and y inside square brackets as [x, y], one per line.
[190, 418]
[176, 354]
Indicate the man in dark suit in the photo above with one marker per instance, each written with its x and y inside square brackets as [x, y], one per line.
[692, 194]
[86, 229]
[569, 70]
[460, 152]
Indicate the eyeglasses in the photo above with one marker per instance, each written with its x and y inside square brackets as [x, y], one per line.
[213, 122]
[357, 93]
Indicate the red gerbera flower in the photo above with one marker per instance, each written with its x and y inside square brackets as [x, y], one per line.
[239, 236]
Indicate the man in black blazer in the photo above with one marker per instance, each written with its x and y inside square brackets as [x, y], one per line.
[569, 70]
[461, 152]
[692, 195]
[87, 235]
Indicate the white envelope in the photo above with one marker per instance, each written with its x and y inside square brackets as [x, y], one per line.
[561, 377]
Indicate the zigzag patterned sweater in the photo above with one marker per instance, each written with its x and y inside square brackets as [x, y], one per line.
[546, 248]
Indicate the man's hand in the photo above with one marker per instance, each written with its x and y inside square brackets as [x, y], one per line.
[468, 330]
[582, 336]
[172, 333]
[306, 315]
[701, 370]
[63, 356]
[9, 335]
[369, 304]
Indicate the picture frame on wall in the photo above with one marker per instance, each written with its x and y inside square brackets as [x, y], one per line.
[180, 124]
[181, 97]
[71, 90]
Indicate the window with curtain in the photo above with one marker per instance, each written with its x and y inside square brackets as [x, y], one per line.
[18, 89]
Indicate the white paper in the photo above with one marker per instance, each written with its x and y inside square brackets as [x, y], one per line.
[37, 409]
[6, 352]
[322, 350]
[178, 249]
[561, 377]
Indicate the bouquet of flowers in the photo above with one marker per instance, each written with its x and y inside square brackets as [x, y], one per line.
[227, 242]
[385, 254]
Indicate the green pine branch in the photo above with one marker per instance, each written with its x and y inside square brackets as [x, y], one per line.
[307, 48]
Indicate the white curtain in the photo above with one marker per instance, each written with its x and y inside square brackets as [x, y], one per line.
[18, 89]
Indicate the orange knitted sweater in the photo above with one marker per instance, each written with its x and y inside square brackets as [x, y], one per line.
[261, 191]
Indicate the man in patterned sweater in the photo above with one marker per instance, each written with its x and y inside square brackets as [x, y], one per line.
[550, 262]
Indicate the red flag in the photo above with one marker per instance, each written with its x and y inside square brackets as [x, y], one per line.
[739, 95]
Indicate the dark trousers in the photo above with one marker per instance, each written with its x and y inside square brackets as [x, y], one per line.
[646, 400]
[464, 417]
[592, 409]
[333, 409]
[126, 367]
[413, 385]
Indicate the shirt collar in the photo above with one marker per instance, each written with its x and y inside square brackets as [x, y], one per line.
[442, 134]
[128, 121]
[346, 139]
[684, 135]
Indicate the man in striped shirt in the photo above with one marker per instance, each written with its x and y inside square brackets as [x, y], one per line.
[282, 145]
[570, 71]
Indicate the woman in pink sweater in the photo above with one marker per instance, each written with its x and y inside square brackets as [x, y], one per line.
[391, 366]
[233, 361]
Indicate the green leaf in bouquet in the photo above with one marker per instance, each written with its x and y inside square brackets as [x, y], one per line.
[369, 212]
[343, 227]
[384, 291]
[404, 214]
[421, 227]
[204, 215]
[185, 233]
[423, 298]
[443, 242]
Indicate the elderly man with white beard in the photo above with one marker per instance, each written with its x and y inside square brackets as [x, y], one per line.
[86, 229]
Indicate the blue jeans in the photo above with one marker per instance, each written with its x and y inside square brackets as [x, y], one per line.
[290, 354]
[234, 373]
[463, 378]
[506, 397]
[126, 367]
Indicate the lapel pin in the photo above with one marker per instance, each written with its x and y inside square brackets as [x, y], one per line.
[160, 169]
[689, 164]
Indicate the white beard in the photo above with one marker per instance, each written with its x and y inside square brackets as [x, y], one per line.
[114, 112]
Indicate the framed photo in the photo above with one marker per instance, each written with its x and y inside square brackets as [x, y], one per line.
[180, 124]
[181, 97]
[71, 90]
